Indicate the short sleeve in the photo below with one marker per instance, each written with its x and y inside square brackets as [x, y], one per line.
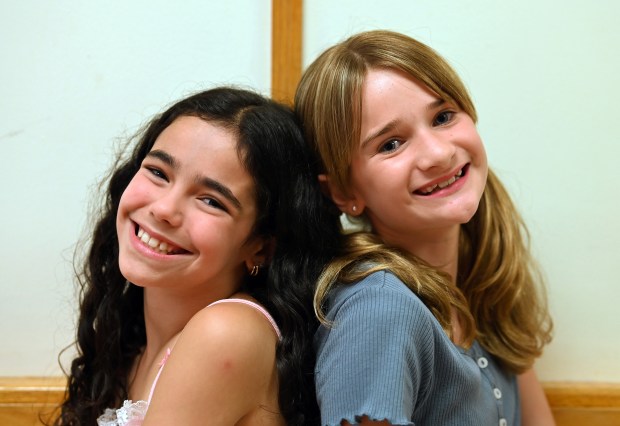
[377, 357]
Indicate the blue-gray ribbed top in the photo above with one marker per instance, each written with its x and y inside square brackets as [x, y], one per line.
[386, 356]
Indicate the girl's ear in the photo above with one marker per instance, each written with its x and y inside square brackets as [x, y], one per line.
[351, 205]
[261, 250]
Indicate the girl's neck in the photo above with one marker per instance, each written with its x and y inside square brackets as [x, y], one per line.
[438, 248]
[167, 310]
[166, 313]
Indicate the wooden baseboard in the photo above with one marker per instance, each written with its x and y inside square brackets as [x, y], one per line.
[579, 403]
[26, 400]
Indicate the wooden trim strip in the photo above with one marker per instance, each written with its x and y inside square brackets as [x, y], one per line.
[31, 390]
[560, 394]
[286, 34]
[30, 401]
[583, 395]
[25, 400]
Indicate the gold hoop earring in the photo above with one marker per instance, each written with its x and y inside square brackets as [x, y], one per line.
[254, 271]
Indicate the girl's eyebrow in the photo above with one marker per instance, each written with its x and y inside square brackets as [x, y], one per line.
[203, 181]
[165, 157]
[383, 130]
[220, 188]
[435, 104]
[394, 123]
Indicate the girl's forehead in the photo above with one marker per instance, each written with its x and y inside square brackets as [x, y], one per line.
[195, 142]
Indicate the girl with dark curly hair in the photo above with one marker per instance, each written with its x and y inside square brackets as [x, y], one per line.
[196, 293]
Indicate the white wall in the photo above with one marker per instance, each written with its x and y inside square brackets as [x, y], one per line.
[544, 75]
[75, 77]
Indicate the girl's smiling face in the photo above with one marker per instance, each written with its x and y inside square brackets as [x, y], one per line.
[420, 167]
[185, 219]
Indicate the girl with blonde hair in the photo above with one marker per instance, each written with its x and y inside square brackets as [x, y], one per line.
[435, 313]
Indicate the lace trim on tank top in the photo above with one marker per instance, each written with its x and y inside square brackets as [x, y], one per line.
[133, 413]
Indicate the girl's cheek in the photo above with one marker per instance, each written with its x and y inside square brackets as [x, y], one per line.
[136, 193]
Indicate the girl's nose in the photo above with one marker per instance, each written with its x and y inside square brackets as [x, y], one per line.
[168, 209]
[434, 151]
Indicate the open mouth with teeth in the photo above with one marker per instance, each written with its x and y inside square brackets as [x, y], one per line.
[429, 190]
[156, 245]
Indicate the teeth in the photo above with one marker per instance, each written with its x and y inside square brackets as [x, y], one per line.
[429, 189]
[442, 185]
[154, 243]
[448, 182]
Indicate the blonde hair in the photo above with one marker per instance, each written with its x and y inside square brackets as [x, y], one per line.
[497, 295]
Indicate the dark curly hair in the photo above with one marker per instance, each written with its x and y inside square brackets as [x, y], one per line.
[291, 210]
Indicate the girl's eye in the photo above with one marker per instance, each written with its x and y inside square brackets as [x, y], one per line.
[390, 146]
[444, 117]
[157, 173]
[212, 202]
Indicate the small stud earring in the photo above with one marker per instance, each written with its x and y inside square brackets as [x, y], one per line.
[354, 208]
[254, 271]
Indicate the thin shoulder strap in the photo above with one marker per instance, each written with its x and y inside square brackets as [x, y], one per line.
[161, 367]
[256, 306]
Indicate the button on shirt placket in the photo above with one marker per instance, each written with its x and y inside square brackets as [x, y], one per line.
[483, 363]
